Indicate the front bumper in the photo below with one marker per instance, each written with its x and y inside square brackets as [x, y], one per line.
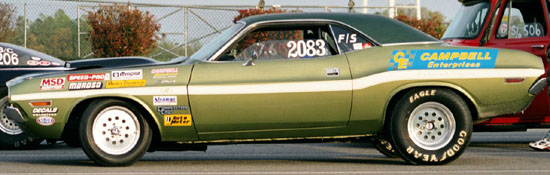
[537, 86]
[14, 114]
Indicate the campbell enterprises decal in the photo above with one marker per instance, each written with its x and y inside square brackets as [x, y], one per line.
[177, 120]
[443, 59]
[127, 74]
[125, 83]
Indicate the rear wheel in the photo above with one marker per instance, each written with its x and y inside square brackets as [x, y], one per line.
[114, 133]
[11, 136]
[430, 126]
[384, 146]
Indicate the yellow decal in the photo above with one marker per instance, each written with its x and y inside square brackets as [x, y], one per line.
[178, 120]
[124, 83]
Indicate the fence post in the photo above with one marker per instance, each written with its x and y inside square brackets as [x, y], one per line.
[186, 30]
[25, 25]
[365, 4]
[78, 29]
[418, 12]
[391, 10]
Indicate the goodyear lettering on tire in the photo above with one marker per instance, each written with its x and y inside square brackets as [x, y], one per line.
[447, 154]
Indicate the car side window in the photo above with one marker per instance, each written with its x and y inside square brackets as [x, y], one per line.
[522, 19]
[349, 40]
[283, 42]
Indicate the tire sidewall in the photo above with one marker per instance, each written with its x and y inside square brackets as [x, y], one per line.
[17, 141]
[414, 154]
[99, 156]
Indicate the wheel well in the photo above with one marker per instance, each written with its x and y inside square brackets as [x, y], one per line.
[395, 99]
[70, 132]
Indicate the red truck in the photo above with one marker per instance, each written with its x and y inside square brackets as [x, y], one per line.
[510, 24]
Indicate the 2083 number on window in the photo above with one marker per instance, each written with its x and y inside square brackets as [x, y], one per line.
[308, 48]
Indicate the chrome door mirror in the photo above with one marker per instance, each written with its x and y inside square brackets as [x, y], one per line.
[250, 61]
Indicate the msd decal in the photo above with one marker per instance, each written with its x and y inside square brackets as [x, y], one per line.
[52, 83]
[127, 74]
[88, 77]
[165, 100]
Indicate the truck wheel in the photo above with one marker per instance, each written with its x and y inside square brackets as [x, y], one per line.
[430, 126]
[114, 133]
[11, 136]
[384, 146]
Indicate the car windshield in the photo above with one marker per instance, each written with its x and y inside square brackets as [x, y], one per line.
[468, 21]
[209, 49]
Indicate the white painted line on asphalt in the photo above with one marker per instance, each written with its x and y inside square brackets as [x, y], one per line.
[310, 172]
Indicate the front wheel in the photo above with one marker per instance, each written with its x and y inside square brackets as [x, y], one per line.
[430, 126]
[11, 136]
[114, 133]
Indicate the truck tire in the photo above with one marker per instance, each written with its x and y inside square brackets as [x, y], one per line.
[430, 126]
[114, 133]
[11, 136]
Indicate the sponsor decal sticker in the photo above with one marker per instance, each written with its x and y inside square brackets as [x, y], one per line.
[44, 111]
[165, 81]
[33, 63]
[8, 57]
[85, 85]
[165, 100]
[170, 109]
[127, 74]
[88, 77]
[443, 59]
[45, 121]
[52, 83]
[164, 72]
[178, 120]
[125, 83]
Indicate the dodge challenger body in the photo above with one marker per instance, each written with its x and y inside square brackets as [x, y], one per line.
[286, 78]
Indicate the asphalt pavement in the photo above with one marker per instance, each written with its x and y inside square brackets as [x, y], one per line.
[489, 153]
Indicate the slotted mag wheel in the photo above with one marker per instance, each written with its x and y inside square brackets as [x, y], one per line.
[431, 125]
[6, 125]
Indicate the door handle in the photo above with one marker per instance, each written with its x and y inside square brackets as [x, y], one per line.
[540, 46]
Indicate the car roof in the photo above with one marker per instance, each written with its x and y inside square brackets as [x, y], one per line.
[382, 29]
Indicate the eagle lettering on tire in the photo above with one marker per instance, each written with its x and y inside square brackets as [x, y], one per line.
[430, 126]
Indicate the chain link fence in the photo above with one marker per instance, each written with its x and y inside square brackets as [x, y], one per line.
[59, 28]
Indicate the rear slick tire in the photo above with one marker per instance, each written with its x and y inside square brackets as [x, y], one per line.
[430, 126]
[114, 133]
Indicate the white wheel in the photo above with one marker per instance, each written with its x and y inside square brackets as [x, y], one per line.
[431, 125]
[115, 130]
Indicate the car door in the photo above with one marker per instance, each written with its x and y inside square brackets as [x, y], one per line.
[523, 25]
[298, 81]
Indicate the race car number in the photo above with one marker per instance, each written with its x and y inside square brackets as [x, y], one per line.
[308, 48]
[8, 57]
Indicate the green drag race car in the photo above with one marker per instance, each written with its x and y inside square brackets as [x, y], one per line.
[304, 77]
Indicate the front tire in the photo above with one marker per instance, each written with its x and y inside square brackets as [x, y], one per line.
[114, 133]
[430, 126]
[11, 136]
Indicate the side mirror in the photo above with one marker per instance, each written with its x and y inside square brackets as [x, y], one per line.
[250, 61]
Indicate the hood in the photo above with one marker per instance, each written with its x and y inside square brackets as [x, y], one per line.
[110, 62]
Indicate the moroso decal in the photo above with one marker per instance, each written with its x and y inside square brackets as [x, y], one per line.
[443, 59]
[125, 83]
[165, 100]
[85, 85]
[52, 83]
[45, 121]
[88, 77]
[178, 120]
[127, 74]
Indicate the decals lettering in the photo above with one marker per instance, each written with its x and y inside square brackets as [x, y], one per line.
[45, 121]
[85, 85]
[44, 111]
[52, 83]
[125, 83]
[88, 77]
[170, 109]
[8, 57]
[178, 120]
[421, 94]
[127, 74]
[443, 59]
[165, 100]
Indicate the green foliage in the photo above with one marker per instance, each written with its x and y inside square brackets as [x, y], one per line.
[122, 30]
[431, 21]
[7, 22]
